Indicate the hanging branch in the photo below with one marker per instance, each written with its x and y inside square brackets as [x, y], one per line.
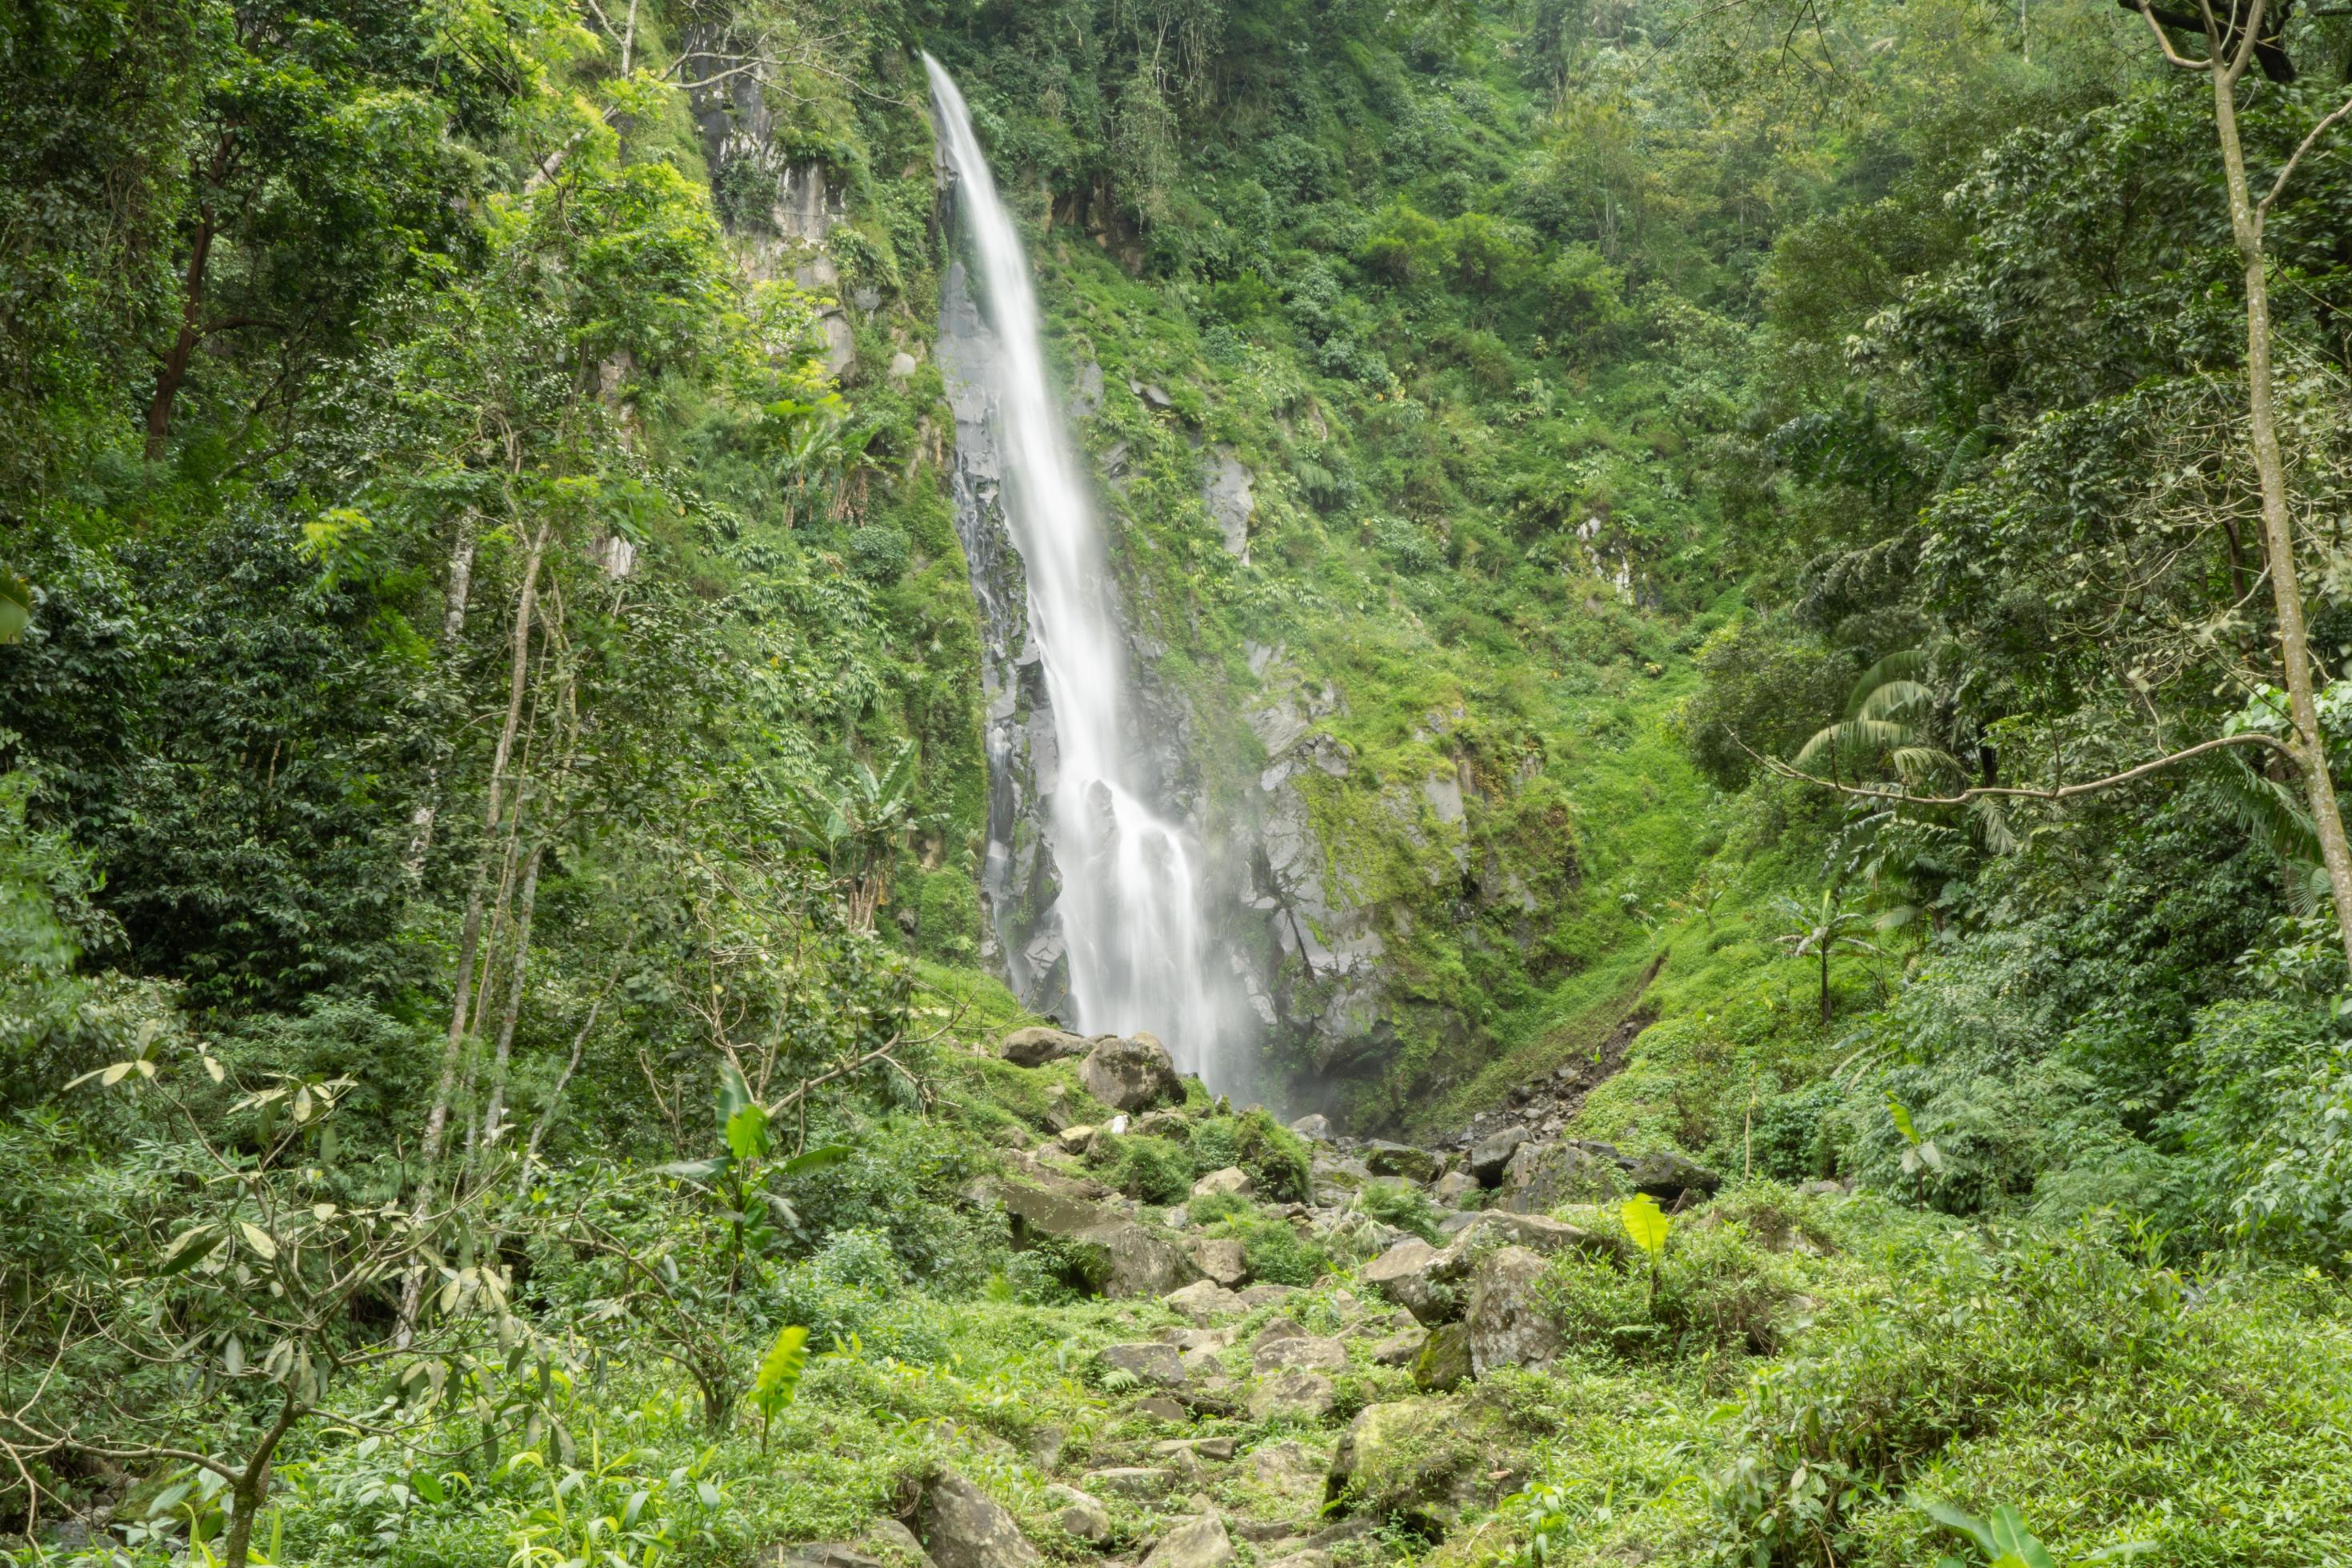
[1983, 791]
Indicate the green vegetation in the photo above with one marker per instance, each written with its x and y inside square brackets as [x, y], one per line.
[1794, 632]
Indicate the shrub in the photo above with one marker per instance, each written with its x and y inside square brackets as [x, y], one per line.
[1401, 1204]
[1155, 1170]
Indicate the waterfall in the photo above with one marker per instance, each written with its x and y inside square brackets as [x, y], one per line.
[1130, 908]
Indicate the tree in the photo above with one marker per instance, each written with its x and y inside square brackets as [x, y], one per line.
[1822, 932]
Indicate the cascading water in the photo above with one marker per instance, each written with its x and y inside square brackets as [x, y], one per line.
[1129, 909]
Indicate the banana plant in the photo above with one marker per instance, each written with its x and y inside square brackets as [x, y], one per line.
[2005, 1542]
[1647, 1224]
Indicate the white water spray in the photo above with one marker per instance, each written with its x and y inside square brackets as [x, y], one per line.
[1130, 899]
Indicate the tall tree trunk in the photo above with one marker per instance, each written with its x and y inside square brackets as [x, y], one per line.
[173, 372]
[2246, 221]
[469, 938]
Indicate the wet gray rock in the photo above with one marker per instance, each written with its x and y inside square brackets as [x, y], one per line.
[1507, 1322]
[1453, 1188]
[1132, 1073]
[1316, 1126]
[1541, 1176]
[962, 1527]
[1036, 1048]
[1226, 495]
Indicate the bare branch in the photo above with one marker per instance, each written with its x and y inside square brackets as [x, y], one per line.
[2064, 792]
[2262, 208]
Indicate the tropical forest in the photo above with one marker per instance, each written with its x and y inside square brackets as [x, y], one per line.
[1175, 784]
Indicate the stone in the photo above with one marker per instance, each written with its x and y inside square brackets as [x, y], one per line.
[1315, 1126]
[1225, 493]
[1304, 1395]
[1161, 1124]
[896, 1543]
[817, 1554]
[1453, 1188]
[1132, 1073]
[1205, 1300]
[1232, 1181]
[1671, 1179]
[1082, 1517]
[1382, 1157]
[1160, 1407]
[962, 1527]
[1507, 1321]
[1197, 1543]
[1203, 1368]
[1288, 1469]
[1398, 1350]
[1036, 1048]
[1547, 1237]
[1491, 1154]
[1310, 1558]
[1127, 1481]
[1275, 1329]
[1442, 1363]
[1414, 1460]
[1220, 1259]
[1217, 1449]
[1074, 1139]
[1402, 1274]
[902, 365]
[1541, 1176]
[1045, 1445]
[1306, 1353]
[1154, 397]
[1149, 1362]
[1119, 1256]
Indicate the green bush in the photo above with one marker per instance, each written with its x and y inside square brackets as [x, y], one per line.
[1155, 1170]
[1401, 1204]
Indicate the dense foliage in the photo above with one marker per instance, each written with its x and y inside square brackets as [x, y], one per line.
[493, 1009]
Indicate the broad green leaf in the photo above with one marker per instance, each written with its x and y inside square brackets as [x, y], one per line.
[780, 1369]
[747, 1132]
[1647, 1224]
[816, 1159]
[258, 1238]
[189, 1248]
[1895, 1108]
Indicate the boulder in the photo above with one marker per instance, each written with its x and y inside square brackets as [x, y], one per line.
[1118, 1256]
[1232, 1181]
[1036, 1048]
[1205, 1300]
[1132, 1073]
[1273, 1329]
[1267, 1295]
[1196, 1543]
[1288, 1471]
[1074, 1139]
[962, 1527]
[1205, 1371]
[1221, 1260]
[1491, 1154]
[1454, 1189]
[1402, 1274]
[1549, 1238]
[1310, 1558]
[1442, 1363]
[1082, 1516]
[1316, 1126]
[1671, 1179]
[1306, 1353]
[1400, 1349]
[1382, 1157]
[1507, 1319]
[1541, 1176]
[1160, 1407]
[1149, 1361]
[897, 1545]
[1417, 1461]
[1304, 1395]
[1217, 1449]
